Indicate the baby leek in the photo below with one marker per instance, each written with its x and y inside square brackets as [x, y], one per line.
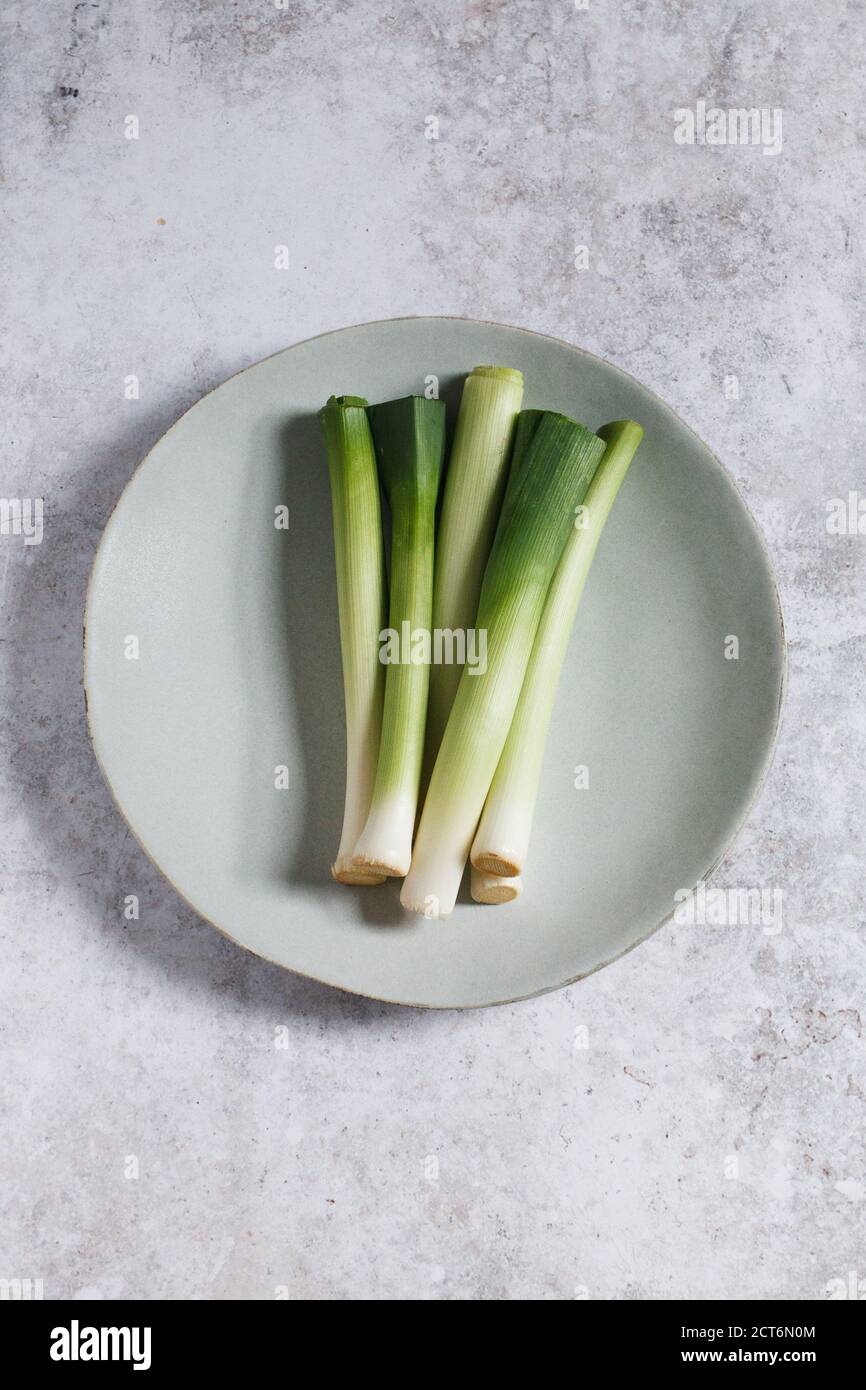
[474, 485]
[536, 518]
[502, 839]
[494, 888]
[361, 599]
[409, 438]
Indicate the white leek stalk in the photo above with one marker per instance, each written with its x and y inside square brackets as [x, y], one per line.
[474, 486]
[502, 839]
[361, 597]
[537, 516]
[409, 438]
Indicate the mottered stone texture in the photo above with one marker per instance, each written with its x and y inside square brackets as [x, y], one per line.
[183, 1120]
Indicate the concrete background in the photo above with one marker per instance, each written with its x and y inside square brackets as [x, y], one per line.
[708, 1140]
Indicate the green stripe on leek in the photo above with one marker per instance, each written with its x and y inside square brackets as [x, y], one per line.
[527, 423]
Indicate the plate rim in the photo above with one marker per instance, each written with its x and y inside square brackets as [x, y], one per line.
[769, 754]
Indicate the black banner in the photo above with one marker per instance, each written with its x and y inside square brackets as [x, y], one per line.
[155, 1338]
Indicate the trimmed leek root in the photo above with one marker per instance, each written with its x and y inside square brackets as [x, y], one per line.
[409, 438]
[494, 888]
[536, 519]
[502, 839]
[361, 596]
[474, 487]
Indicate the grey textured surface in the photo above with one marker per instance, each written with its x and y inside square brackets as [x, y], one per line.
[379, 1152]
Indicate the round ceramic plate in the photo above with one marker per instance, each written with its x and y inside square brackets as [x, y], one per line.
[234, 674]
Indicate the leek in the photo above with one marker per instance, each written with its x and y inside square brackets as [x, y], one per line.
[409, 438]
[361, 599]
[494, 888]
[536, 518]
[474, 485]
[527, 423]
[502, 839]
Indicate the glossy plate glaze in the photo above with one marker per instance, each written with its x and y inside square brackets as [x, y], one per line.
[238, 675]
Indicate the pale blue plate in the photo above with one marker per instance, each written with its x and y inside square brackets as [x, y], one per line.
[238, 674]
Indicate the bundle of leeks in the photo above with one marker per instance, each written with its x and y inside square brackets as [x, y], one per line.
[526, 497]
